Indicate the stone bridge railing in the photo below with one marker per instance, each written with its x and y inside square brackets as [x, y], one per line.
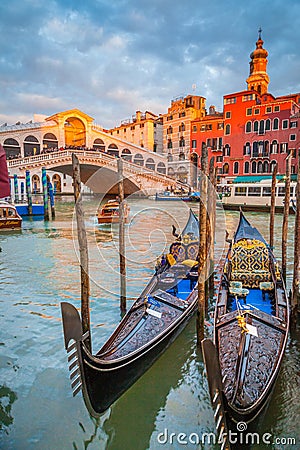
[144, 177]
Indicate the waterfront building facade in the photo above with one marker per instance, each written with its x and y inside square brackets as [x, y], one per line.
[143, 129]
[255, 130]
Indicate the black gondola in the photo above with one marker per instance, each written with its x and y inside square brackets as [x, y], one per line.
[149, 327]
[251, 326]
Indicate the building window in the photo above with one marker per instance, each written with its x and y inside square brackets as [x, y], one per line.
[194, 128]
[227, 150]
[274, 147]
[247, 148]
[220, 126]
[132, 128]
[227, 129]
[181, 142]
[230, 100]
[248, 97]
[182, 114]
[202, 127]
[275, 124]
[181, 127]
[253, 168]
[293, 124]
[170, 145]
[256, 111]
[194, 143]
[268, 109]
[268, 125]
[219, 159]
[261, 127]
[236, 168]
[248, 127]
[247, 167]
[249, 112]
[292, 137]
[283, 147]
[228, 114]
[169, 130]
[255, 126]
[276, 108]
[285, 124]
[255, 149]
[226, 168]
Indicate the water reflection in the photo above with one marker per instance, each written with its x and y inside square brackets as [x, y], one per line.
[7, 398]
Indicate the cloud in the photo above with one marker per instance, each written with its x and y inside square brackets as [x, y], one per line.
[113, 58]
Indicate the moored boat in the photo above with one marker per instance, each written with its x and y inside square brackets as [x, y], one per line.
[254, 193]
[110, 212]
[152, 323]
[9, 217]
[250, 330]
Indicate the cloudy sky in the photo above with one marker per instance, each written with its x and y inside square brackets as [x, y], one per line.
[110, 58]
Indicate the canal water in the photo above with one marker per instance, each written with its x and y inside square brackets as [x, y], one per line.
[39, 269]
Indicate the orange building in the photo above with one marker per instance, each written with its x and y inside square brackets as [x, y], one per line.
[255, 130]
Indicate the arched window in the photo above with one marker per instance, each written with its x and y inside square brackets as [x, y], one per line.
[170, 144]
[272, 165]
[181, 127]
[268, 125]
[56, 179]
[247, 148]
[126, 154]
[12, 148]
[150, 164]
[259, 167]
[246, 167]
[274, 146]
[181, 156]
[265, 167]
[170, 157]
[226, 168]
[253, 168]
[248, 127]
[227, 129]
[261, 127]
[181, 142]
[255, 149]
[50, 141]
[275, 124]
[113, 150]
[161, 167]
[36, 184]
[99, 145]
[138, 159]
[31, 146]
[255, 126]
[227, 150]
[171, 171]
[169, 130]
[236, 168]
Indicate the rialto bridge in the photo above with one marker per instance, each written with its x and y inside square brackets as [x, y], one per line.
[49, 142]
[98, 172]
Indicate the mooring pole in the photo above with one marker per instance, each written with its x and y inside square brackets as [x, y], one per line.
[28, 192]
[286, 210]
[45, 194]
[51, 196]
[83, 252]
[211, 207]
[16, 189]
[122, 238]
[273, 205]
[202, 248]
[295, 306]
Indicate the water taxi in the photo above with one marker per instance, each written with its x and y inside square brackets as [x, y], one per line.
[110, 212]
[9, 217]
[254, 193]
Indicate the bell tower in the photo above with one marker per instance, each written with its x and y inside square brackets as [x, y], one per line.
[258, 79]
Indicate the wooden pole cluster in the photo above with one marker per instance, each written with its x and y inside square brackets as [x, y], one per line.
[211, 208]
[272, 207]
[83, 252]
[295, 306]
[286, 210]
[202, 295]
[122, 238]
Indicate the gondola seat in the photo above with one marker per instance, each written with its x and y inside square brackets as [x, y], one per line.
[250, 263]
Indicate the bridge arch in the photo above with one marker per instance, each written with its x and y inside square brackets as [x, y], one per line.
[99, 145]
[113, 150]
[126, 154]
[50, 141]
[75, 132]
[31, 146]
[12, 148]
[150, 164]
[138, 159]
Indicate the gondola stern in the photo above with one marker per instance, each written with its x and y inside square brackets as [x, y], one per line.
[71, 323]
